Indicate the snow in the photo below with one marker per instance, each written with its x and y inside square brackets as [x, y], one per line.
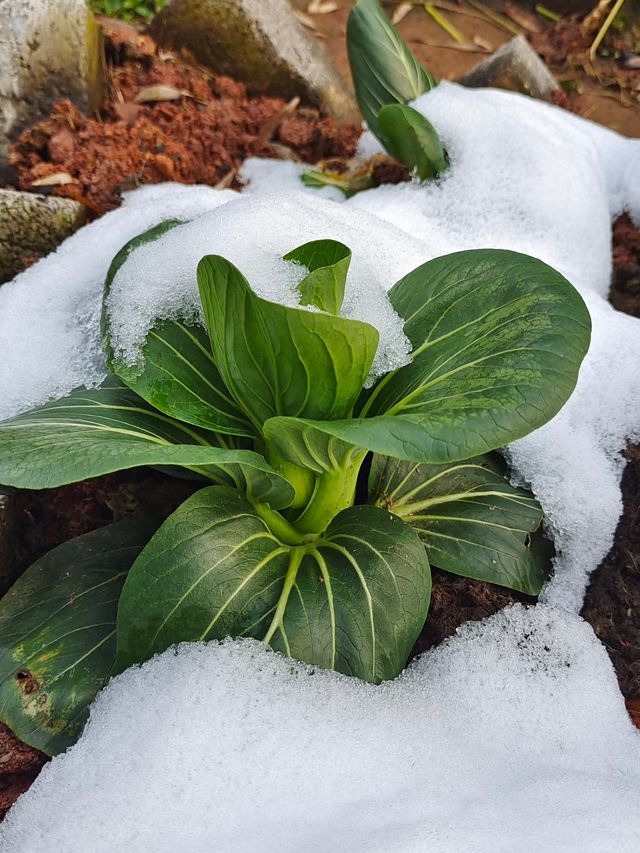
[158, 280]
[49, 314]
[510, 736]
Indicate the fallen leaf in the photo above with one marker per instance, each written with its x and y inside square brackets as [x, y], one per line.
[401, 11]
[58, 179]
[159, 92]
[464, 48]
[483, 43]
[321, 7]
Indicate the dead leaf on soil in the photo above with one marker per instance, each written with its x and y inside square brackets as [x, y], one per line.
[401, 11]
[58, 179]
[322, 7]
[483, 43]
[467, 47]
[160, 92]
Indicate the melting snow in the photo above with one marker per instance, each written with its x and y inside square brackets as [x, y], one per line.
[513, 735]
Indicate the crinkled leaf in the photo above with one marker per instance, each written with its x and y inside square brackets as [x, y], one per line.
[498, 339]
[354, 600]
[176, 373]
[328, 264]
[57, 633]
[277, 360]
[413, 140]
[306, 444]
[91, 433]
[383, 68]
[470, 519]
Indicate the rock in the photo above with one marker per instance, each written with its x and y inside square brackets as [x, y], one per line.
[31, 226]
[517, 60]
[49, 50]
[260, 43]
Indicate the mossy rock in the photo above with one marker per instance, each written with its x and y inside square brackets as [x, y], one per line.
[31, 226]
[49, 51]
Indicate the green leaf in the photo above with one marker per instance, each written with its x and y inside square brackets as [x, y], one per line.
[470, 519]
[413, 140]
[383, 68]
[177, 374]
[498, 339]
[328, 263]
[57, 634]
[277, 360]
[91, 433]
[306, 444]
[353, 600]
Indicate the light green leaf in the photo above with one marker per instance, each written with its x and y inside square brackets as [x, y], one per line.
[383, 68]
[353, 600]
[413, 140]
[470, 519]
[328, 264]
[177, 374]
[91, 433]
[277, 360]
[307, 444]
[57, 634]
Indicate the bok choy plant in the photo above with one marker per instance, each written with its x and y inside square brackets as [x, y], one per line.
[267, 408]
[386, 76]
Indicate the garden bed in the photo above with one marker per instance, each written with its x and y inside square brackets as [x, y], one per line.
[51, 517]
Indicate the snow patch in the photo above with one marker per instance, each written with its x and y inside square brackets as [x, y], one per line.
[158, 280]
[50, 314]
[510, 736]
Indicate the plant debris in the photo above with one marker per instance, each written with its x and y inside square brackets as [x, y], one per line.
[165, 119]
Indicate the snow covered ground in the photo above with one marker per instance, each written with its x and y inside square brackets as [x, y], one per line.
[513, 735]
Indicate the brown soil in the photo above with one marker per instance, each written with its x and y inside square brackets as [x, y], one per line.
[625, 292]
[19, 766]
[612, 604]
[602, 91]
[200, 133]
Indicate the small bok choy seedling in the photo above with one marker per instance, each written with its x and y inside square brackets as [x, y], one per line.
[267, 406]
[386, 77]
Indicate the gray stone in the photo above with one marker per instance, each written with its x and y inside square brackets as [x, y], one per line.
[517, 60]
[260, 43]
[49, 49]
[31, 226]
